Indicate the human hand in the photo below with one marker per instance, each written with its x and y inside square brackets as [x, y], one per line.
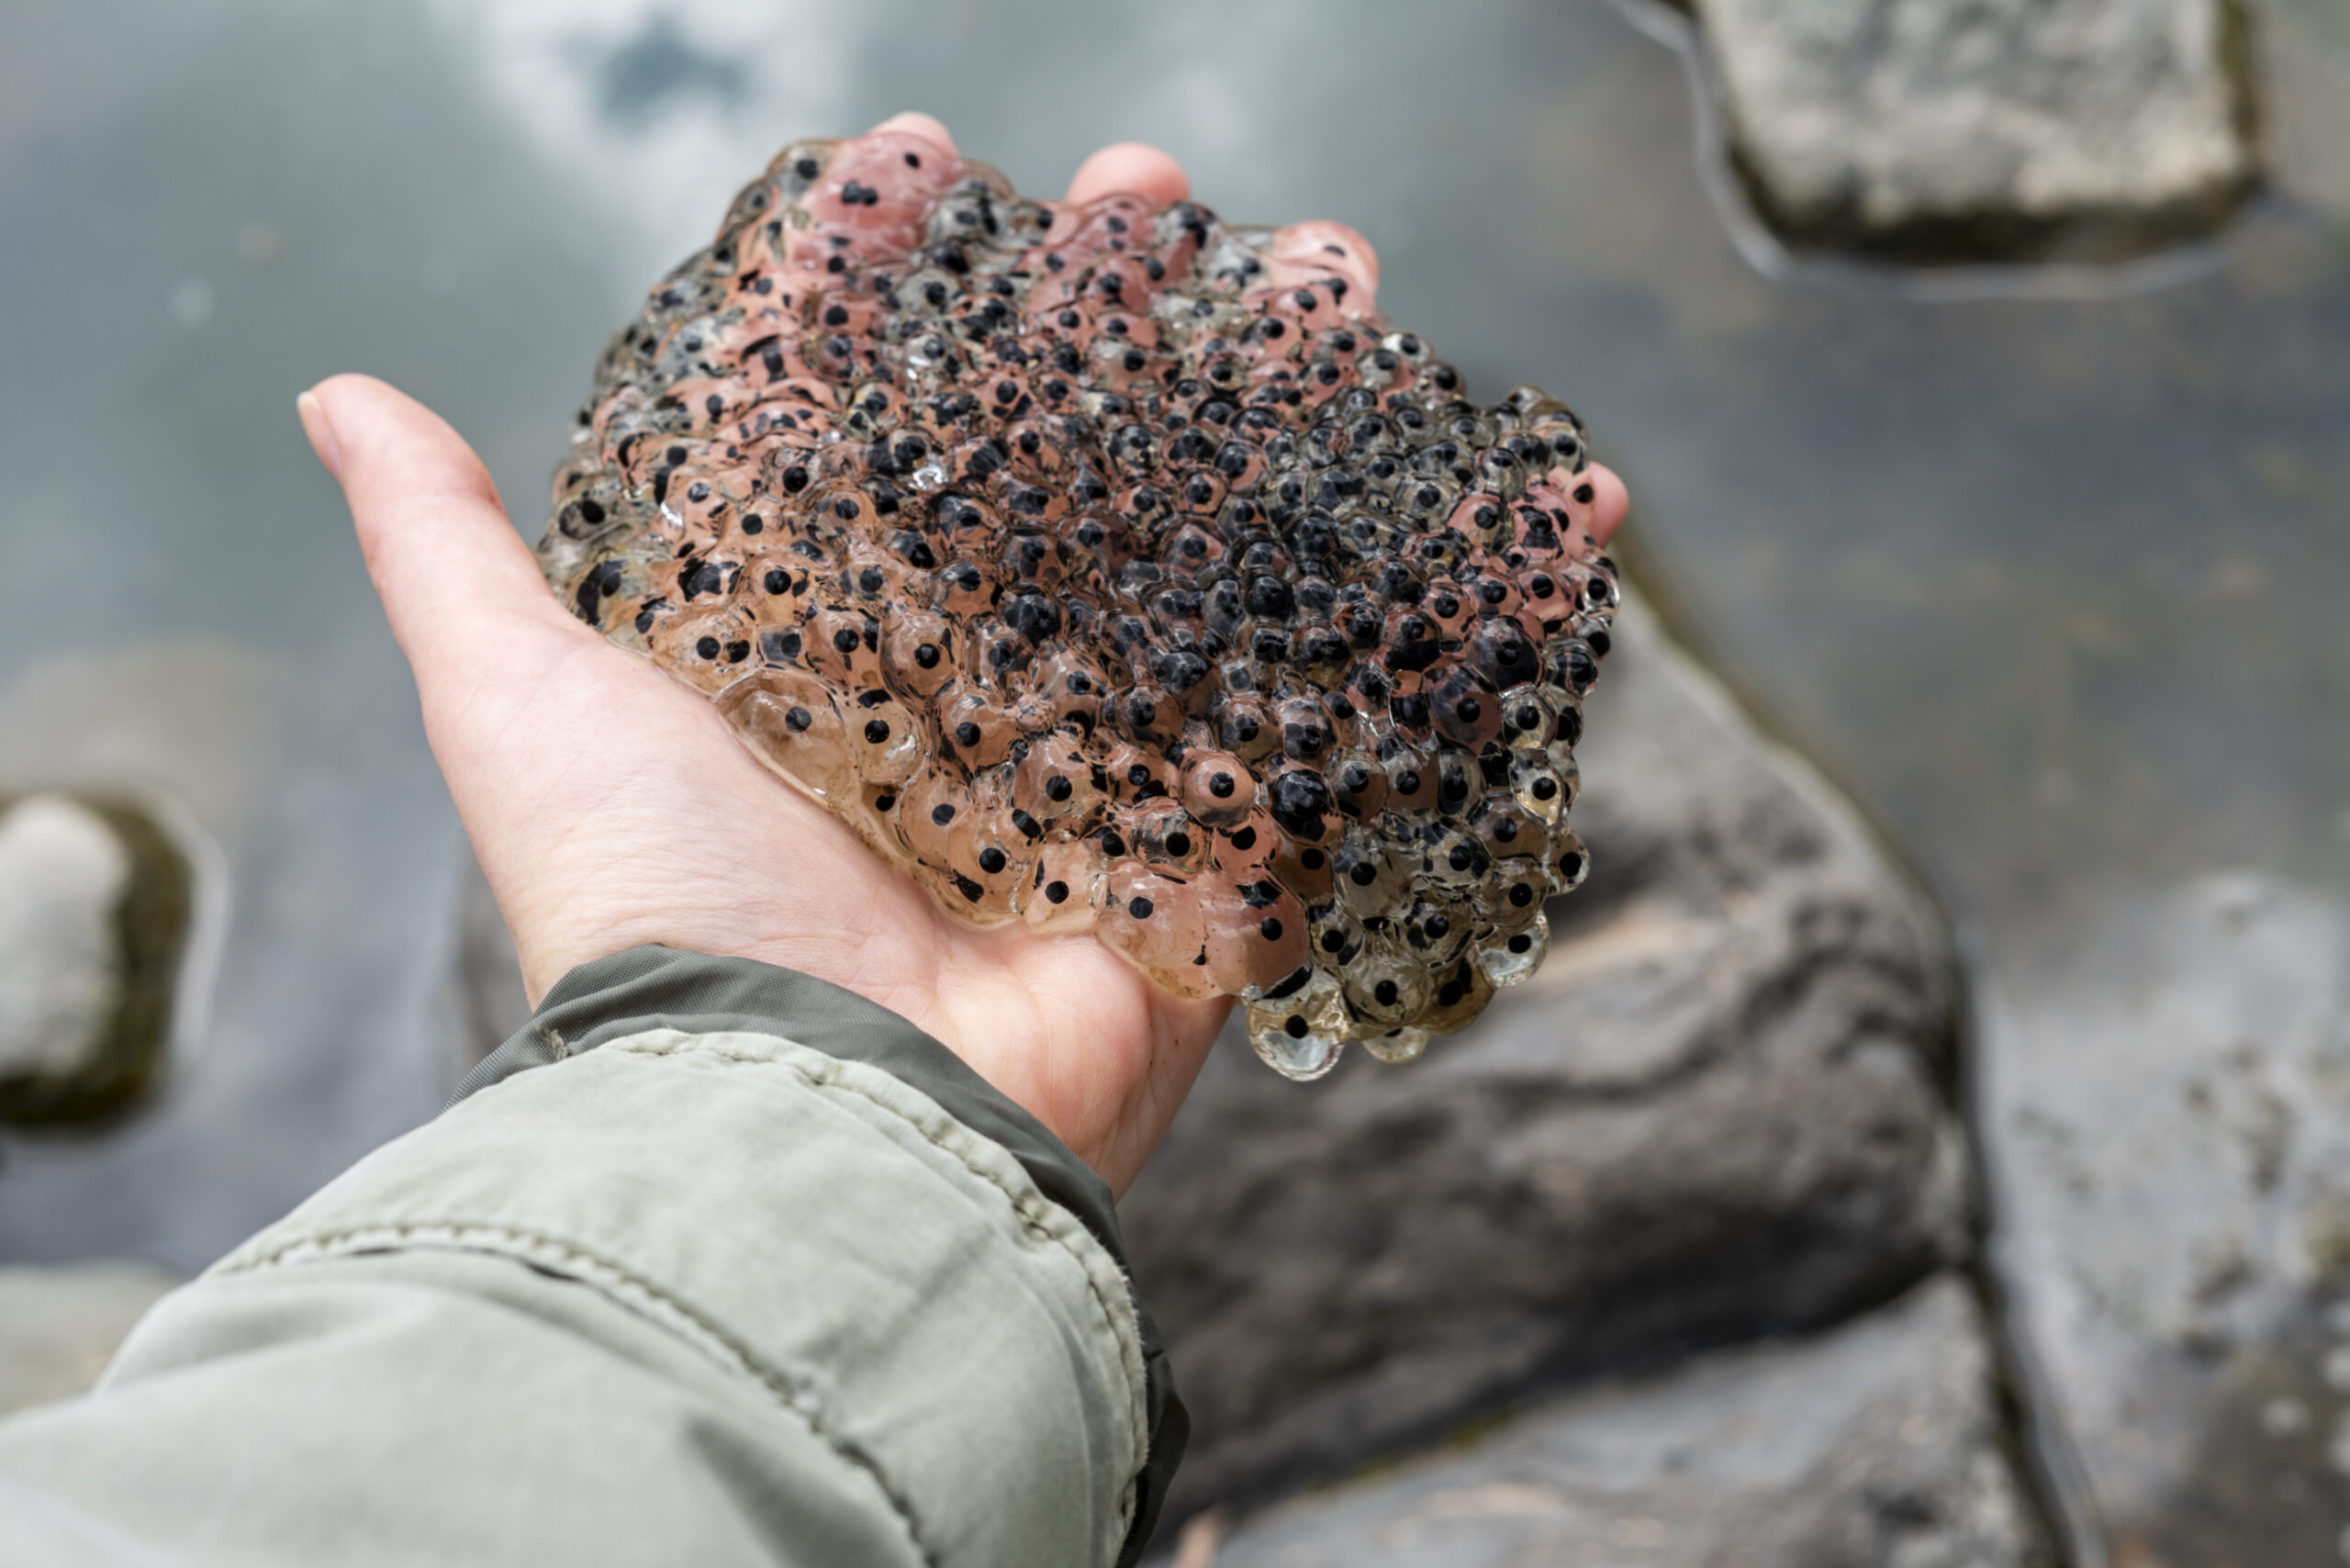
[610, 806]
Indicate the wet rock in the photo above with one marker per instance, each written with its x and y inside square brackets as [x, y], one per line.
[58, 1326]
[2165, 1103]
[1875, 1444]
[63, 871]
[2001, 129]
[94, 910]
[1714, 1114]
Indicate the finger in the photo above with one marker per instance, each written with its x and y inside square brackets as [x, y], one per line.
[1129, 166]
[448, 567]
[515, 691]
[876, 190]
[1307, 259]
[1609, 504]
[928, 128]
[1322, 248]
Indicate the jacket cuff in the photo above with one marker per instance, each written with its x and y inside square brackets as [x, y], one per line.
[651, 987]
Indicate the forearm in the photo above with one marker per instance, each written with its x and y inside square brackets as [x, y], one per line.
[752, 1274]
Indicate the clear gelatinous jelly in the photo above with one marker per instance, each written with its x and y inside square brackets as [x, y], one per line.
[1114, 571]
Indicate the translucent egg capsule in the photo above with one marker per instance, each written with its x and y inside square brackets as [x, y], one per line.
[1063, 888]
[1301, 1034]
[1385, 983]
[1114, 571]
[790, 722]
[1255, 932]
[1543, 794]
[1150, 917]
[1511, 897]
[1462, 990]
[1570, 863]
[1399, 1046]
[1509, 959]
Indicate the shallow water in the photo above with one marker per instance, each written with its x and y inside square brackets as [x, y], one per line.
[2052, 582]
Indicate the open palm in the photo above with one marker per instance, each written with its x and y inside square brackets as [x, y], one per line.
[612, 806]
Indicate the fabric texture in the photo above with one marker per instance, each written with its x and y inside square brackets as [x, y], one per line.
[712, 1263]
[670, 988]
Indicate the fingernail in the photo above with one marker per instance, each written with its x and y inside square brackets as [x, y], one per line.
[321, 433]
[916, 123]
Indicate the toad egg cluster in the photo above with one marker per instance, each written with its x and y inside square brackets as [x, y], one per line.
[1111, 570]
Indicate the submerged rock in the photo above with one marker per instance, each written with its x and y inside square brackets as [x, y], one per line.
[2166, 1104]
[1112, 570]
[1714, 1114]
[95, 904]
[63, 875]
[1875, 1445]
[1998, 130]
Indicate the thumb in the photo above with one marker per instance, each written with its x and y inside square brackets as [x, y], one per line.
[468, 605]
[454, 577]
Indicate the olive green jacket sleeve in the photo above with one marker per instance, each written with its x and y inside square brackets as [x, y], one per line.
[712, 1264]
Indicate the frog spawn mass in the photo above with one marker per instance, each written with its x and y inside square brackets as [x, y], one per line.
[1111, 570]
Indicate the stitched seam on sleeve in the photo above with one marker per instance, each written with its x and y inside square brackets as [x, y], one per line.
[625, 1287]
[1040, 1218]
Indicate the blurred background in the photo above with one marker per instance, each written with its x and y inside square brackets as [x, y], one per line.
[1982, 375]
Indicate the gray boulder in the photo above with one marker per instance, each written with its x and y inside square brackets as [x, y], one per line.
[62, 874]
[1713, 1113]
[94, 905]
[1874, 1446]
[1997, 129]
